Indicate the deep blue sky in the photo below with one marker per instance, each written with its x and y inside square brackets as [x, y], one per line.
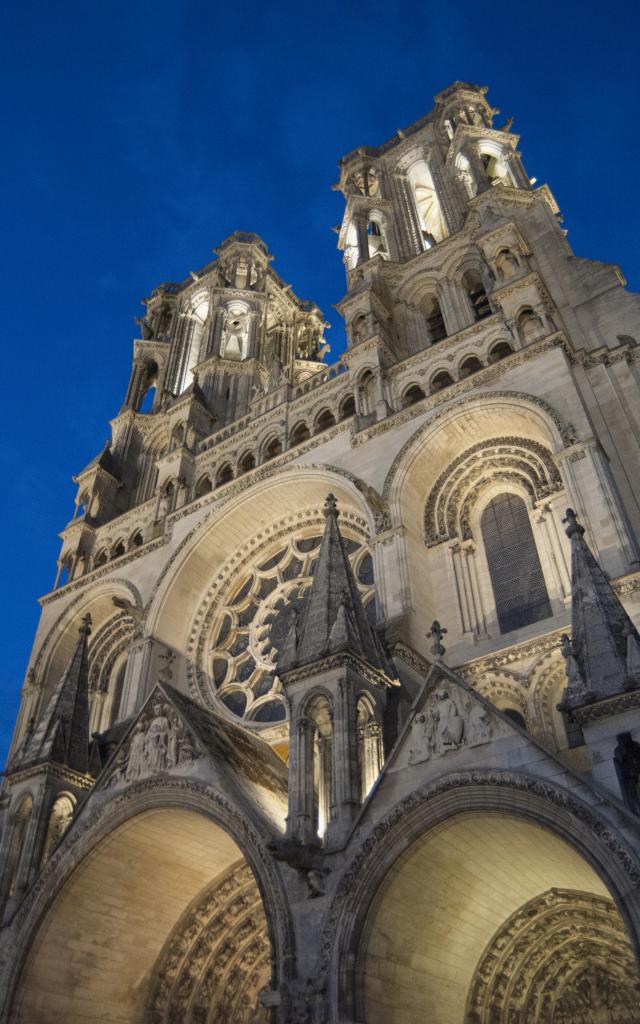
[138, 135]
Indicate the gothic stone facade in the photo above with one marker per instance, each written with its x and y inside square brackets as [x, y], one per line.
[253, 778]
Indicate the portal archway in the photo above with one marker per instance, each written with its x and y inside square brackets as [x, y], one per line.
[162, 916]
[489, 918]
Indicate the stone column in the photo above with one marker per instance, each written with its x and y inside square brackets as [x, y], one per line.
[345, 762]
[300, 816]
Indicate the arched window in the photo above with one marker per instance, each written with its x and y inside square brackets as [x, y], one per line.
[136, 540]
[376, 239]
[347, 407]
[300, 433]
[530, 325]
[325, 420]
[436, 328]
[59, 821]
[441, 380]
[469, 366]
[500, 351]
[369, 746]
[204, 486]
[506, 264]
[272, 448]
[101, 558]
[148, 388]
[224, 474]
[477, 295]
[320, 718]
[519, 588]
[118, 549]
[246, 462]
[412, 395]
[367, 392]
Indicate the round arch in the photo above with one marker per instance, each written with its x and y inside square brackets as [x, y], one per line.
[418, 895]
[120, 888]
[230, 526]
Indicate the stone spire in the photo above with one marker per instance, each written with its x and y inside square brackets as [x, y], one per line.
[603, 657]
[62, 734]
[333, 618]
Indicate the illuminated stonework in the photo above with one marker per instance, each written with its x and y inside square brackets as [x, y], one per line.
[561, 959]
[251, 619]
[333, 712]
[217, 960]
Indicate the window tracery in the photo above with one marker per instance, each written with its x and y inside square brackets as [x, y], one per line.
[249, 624]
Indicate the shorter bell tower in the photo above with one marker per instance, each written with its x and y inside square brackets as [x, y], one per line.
[336, 677]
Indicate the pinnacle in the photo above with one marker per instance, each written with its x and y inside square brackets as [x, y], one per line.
[603, 656]
[333, 618]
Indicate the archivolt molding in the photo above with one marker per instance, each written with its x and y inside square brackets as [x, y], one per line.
[512, 459]
[556, 960]
[106, 646]
[90, 591]
[224, 502]
[550, 806]
[94, 824]
[217, 959]
[561, 433]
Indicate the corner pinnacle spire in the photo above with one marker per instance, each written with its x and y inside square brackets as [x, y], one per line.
[333, 618]
[62, 734]
[603, 656]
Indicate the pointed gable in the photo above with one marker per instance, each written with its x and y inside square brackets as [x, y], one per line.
[605, 642]
[172, 733]
[62, 734]
[333, 617]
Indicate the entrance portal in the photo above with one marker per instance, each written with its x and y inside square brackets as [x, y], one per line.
[161, 918]
[490, 919]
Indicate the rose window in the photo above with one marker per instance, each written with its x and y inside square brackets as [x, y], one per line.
[252, 619]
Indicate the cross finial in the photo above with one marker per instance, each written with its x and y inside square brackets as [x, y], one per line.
[574, 528]
[85, 627]
[436, 634]
[331, 506]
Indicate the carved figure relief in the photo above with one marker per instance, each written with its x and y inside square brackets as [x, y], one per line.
[159, 742]
[448, 722]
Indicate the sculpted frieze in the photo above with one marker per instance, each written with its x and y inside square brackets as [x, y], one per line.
[159, 742]
[448, 722]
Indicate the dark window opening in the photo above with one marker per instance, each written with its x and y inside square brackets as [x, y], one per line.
[518, 584]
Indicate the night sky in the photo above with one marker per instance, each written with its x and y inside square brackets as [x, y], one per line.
[137, 136]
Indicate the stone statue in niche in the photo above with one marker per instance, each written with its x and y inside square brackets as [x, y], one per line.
[445, 724]
[158, 743]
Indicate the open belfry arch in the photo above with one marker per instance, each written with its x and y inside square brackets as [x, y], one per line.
[333, 712]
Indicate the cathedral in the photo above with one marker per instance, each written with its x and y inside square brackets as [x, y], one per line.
[333, 712]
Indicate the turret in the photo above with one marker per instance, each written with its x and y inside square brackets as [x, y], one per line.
[336, 677]
[602, 661]
[47, 776]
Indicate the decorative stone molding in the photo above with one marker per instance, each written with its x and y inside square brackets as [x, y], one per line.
[550, 805]
[217, 959]
[566, 431]
[449, 504]
[96, 822]
[558, 959]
